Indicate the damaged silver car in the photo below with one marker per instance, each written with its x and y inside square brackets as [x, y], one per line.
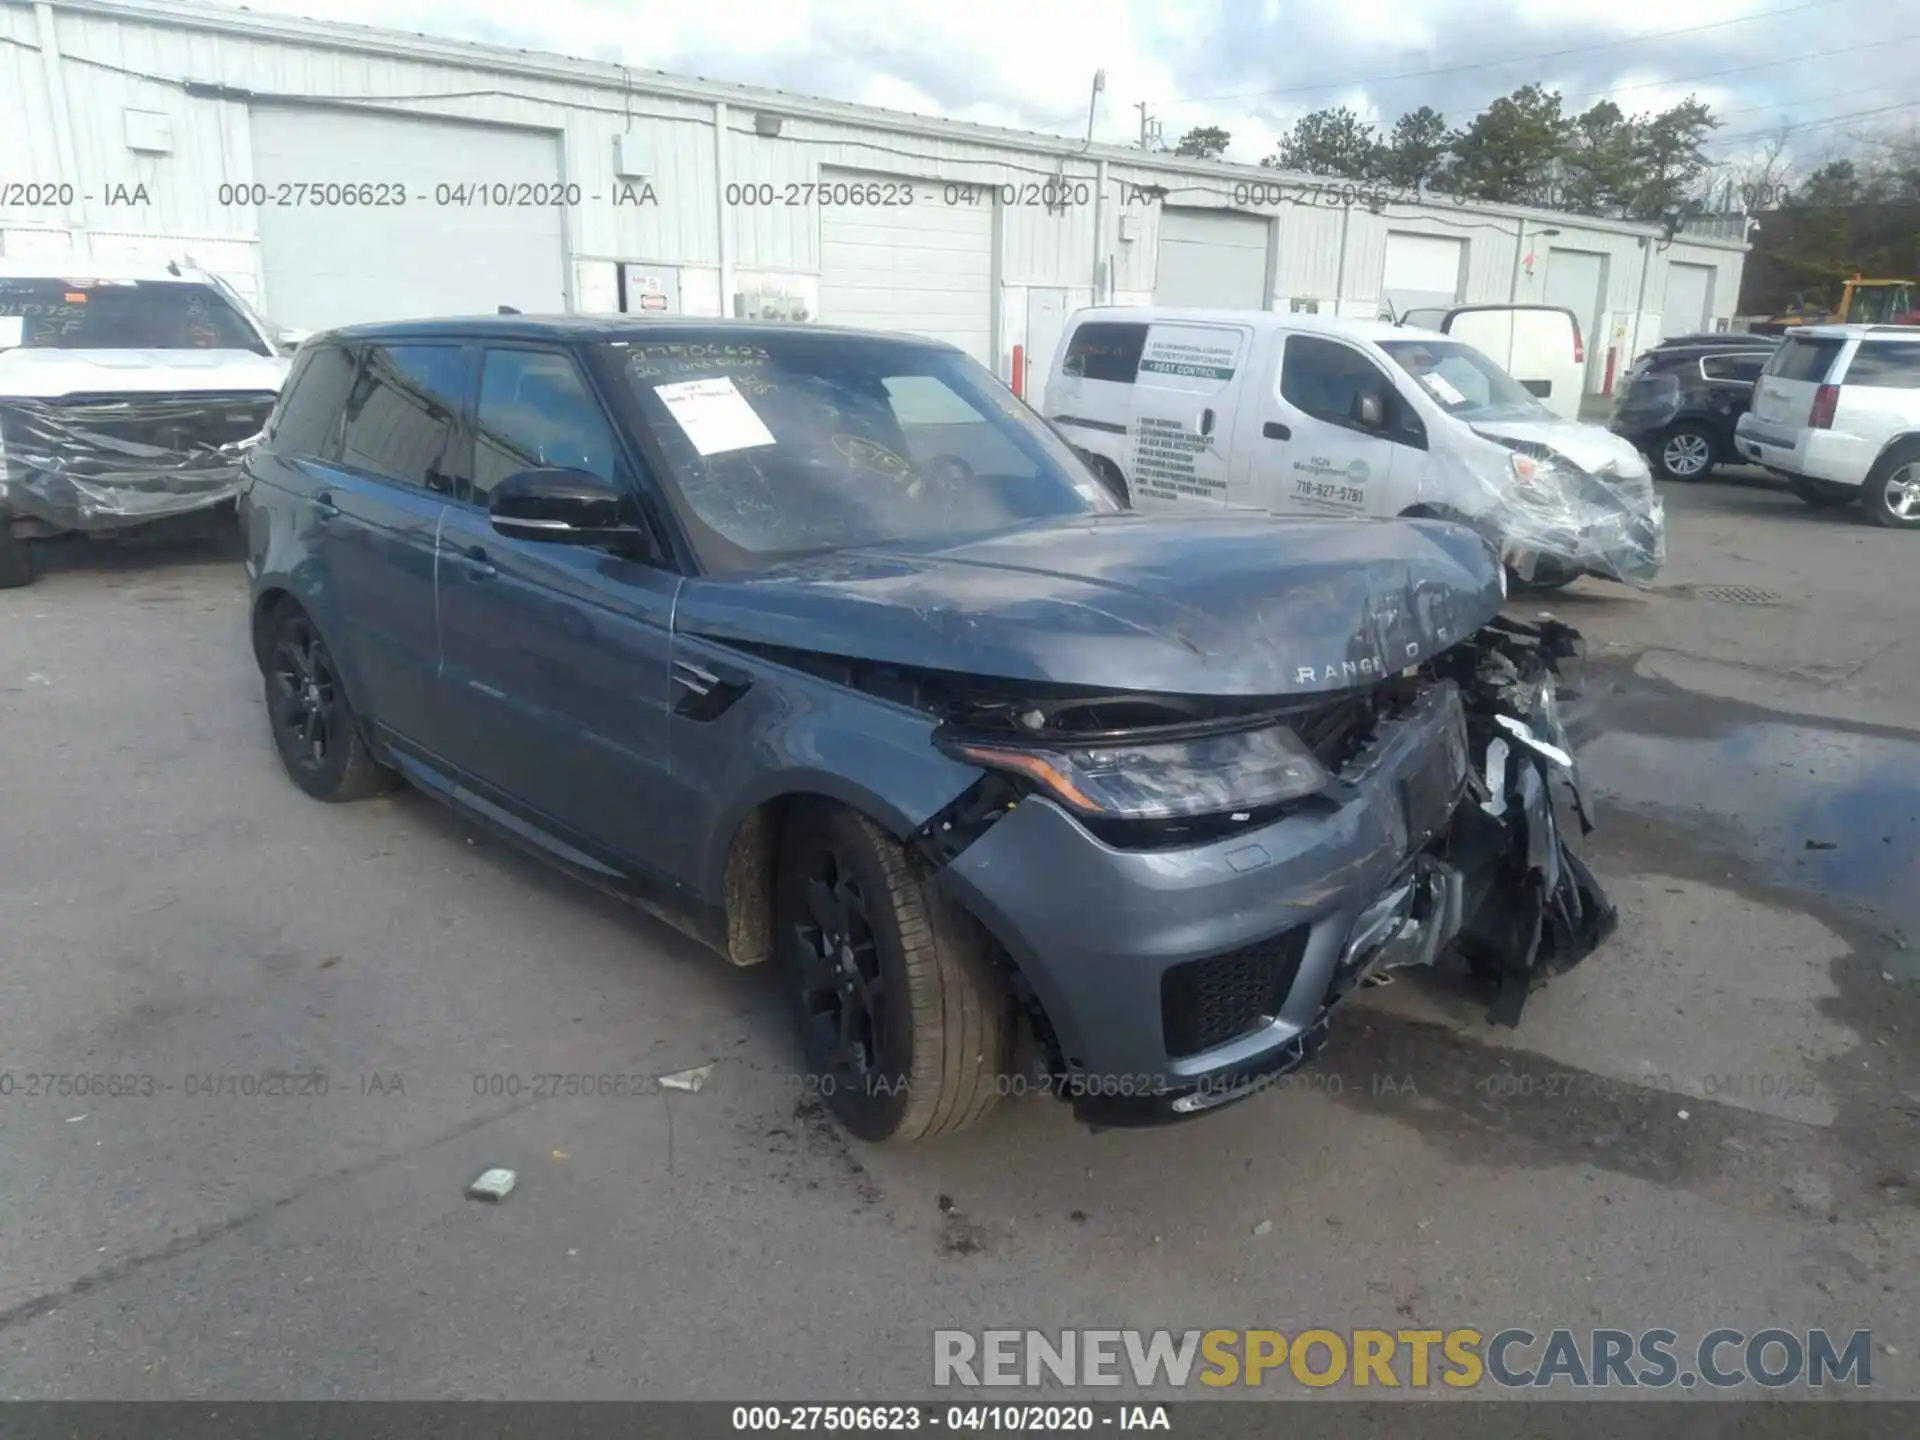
[823, 646]
[128, 394]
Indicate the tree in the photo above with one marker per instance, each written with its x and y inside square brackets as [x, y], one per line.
[1511, 149]
[1204, 142]
[1598, 168]
[1667, 149]
[1416, 151]
[1333, 142]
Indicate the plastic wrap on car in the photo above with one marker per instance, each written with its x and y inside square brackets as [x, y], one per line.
[109, 463]
[1549, 515]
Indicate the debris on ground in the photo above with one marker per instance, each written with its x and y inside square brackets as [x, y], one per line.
[690, 1080]
[1265, 1227]
[493, 1185]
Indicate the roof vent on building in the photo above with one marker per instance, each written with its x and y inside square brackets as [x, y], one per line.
[768, 124]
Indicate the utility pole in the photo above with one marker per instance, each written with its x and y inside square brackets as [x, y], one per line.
[1149, 128]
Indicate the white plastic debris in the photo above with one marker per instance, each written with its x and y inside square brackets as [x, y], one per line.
[1683, 1115]
[1265, 1227]
[495, 1184]
[686, 1079]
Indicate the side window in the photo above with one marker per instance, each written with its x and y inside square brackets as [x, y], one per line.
[536, 412]
[1744, 368]
[1323, 378]
[307, 420]
[1885, 366]
[1105, 350]
[402, 414]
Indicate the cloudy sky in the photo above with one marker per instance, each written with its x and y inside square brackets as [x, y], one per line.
[1250, 66]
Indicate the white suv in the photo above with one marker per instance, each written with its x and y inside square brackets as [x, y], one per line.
[1837, 411]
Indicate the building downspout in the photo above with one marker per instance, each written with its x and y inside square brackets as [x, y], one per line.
[56, 82]
[1640, 304]
[1100, 282]
[722, 178]
[1340, 270]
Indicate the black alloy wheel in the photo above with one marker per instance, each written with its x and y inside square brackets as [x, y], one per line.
[314, 727]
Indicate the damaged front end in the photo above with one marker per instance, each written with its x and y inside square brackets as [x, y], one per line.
[1516, 901]
[104, 462]
[1448, 766]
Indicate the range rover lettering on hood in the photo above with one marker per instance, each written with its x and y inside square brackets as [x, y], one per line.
[1238, 604]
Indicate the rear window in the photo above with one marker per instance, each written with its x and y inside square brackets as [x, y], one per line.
[83, 314]
[1805, 359]
[1105, 350]
[1884, 366]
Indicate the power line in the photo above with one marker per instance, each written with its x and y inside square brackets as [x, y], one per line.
[1364, 82]
[1818, 124]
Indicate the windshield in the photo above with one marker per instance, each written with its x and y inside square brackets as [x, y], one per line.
[81, 314]
[1462, 381]
[1878, 304]
[789, 443]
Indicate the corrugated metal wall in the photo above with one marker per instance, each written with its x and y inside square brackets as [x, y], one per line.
[233, 56]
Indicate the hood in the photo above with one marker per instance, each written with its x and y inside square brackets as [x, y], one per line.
[38, 374]
[1589, 446]
[1242, 604]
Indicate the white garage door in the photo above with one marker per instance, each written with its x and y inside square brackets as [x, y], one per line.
[1421, 270]
[328, 264]
[923, 268]
[1212, 259]
[1689, 299]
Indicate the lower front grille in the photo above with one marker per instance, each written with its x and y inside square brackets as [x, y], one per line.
[1207, 1003]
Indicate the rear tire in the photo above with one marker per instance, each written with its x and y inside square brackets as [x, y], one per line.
[314, 728]
[16, 558]
[902, 1013]
[1686, 453]
[1823, 494]
[1891, 496]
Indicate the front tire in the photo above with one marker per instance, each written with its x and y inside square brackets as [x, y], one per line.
[1891, 496]
[16, 558]
[314, 728]
[1686, 453]
[902, 1013]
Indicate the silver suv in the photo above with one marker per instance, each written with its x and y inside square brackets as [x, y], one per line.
[1837, 411]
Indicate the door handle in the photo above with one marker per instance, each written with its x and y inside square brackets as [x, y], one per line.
[1274, 430]
[323, 505]
[474, 557]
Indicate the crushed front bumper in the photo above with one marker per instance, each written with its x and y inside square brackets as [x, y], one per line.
[108, 462]
[1175, 981]
[1197, 971]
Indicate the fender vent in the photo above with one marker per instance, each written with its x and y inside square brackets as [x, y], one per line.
[1207, 1003]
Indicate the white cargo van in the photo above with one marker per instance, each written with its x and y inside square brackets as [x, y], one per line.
[1539, 345]
[1308, 415]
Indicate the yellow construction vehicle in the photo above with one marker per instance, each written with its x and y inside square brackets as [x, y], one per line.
[1862, 302]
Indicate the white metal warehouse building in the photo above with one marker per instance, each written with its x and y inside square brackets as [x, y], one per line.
[132, 129]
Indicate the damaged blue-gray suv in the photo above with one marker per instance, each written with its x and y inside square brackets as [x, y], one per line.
[824, 647]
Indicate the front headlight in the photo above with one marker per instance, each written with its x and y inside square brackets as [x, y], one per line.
[1235, 770]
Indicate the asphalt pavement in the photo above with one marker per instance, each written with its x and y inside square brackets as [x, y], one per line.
[1714, 1122]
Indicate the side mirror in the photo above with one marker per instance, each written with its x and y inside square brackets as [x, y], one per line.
[1369, 411]
[560, 507]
